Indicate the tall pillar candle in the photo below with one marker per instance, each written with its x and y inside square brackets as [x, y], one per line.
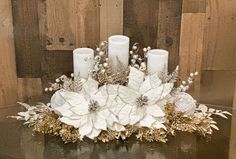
[157, 61]
[83, 61]
[118, 47]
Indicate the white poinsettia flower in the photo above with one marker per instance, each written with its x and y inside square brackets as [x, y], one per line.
[141, 101]
[184, 102]
[88, 110]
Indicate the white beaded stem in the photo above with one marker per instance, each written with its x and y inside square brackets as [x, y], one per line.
[186, 85]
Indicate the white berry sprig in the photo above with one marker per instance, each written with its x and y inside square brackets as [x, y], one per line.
[185, 85]
[136, 60]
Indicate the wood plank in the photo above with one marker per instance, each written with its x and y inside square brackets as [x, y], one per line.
[220, 35]
[234, 102]
[111, 18]
[60, 24]
[141, 21]
[87, 23]
[42, 18]
[217, 87]
[191, 47]
[194, 6]
[27, 43]
[29, 89]
[169, 22]
[55, 64]
[8, 77]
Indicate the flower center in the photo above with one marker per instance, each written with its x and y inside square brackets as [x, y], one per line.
[142, 101]
[93, 106]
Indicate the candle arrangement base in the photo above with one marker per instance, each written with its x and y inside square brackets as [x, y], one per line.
[117, 102]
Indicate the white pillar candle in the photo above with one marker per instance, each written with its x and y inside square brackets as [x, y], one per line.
[118, 47]
[157, 61]
[83, 60]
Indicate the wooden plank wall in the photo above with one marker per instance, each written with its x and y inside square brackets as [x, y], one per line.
[219, 53]
[8, 80]
[197, 34]
[154, 23]
[191, 41]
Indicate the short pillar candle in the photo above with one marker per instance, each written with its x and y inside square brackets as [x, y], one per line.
[157, 61]
[118, 47]
[83, 62]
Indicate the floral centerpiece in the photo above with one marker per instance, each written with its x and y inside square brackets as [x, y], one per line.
[115, 93]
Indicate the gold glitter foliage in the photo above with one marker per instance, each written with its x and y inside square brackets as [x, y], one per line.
[111, 76]
[49, 123]
[201, 122]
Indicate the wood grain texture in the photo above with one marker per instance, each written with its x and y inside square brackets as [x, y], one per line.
[29, 89]
[217, 87]
[42, 18]
[60, 24]
[141, 22]
[87, 23]
[111, 18]
[27, 43]
[234, 101]
[8, 77]
[169, 22]
[220, 35]
[194, 6]
[191, 47]
[55, 64]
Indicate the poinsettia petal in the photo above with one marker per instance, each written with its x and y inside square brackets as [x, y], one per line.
[127, 95]
[89, 87]
[159, 93]
[155, 80]
[63, 110]
[117, 127]
[136, 115]
[82, 109]
[99, 123]
[155, 111]
[167, 88]
[100, 98]
[106, 114]
[83, 119]
[116, 106]
[94, 133]
[158, 125]
[145, 86]
[147, 121]
[86, 128]
[135, 78]
[73, 98]
[124, 115]
[74, 123]
[57, 100]
[111, 91]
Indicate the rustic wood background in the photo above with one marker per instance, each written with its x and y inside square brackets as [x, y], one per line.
[37, 38]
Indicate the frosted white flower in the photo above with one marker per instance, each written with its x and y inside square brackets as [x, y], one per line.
[141, 101]
[88, 110]
[185, 103]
